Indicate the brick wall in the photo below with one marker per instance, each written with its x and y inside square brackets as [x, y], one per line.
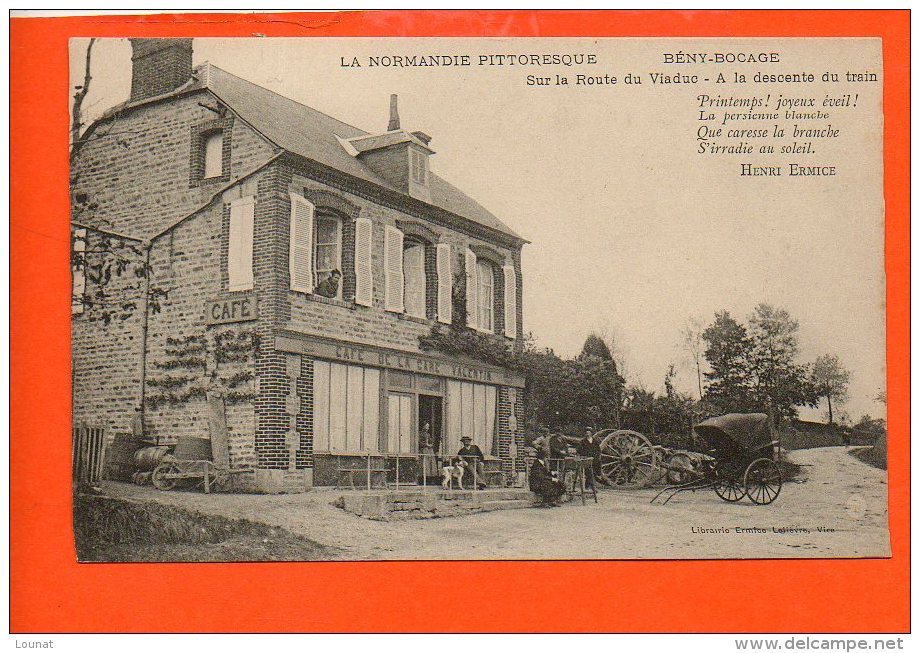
[136, 166]
[159, 66]
[270, 245]
[106, 357]
[511, 440]
[275, 430]
[191, 263]
[373, 325]
[133, 174]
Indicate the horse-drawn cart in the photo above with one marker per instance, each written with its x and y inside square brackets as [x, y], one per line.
[738, 460]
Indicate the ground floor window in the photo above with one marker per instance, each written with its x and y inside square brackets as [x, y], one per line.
[471, 411]
[352, 415]
[346, 408]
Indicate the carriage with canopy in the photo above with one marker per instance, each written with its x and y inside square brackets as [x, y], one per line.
[736, 460]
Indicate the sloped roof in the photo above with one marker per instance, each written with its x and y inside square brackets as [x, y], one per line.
[307, 132]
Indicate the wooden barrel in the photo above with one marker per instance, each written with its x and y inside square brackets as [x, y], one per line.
[119, 457]
[146, 459]
[188, 448]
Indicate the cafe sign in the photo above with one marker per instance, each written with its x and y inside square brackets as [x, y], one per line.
[232, 309]
[463, 370]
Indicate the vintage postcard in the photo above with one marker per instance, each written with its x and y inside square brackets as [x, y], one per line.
[477, 298]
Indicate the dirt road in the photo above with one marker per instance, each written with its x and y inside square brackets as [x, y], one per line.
[837, 509]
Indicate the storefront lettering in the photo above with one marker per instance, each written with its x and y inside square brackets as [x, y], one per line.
[472, 373]
[408, 363]
[376, 357]
[238, 309]
[345, 353]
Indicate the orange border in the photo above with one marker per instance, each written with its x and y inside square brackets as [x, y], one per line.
[51, 593]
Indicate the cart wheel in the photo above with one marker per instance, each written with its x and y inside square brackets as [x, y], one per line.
[628, 460]
[729, 489]
[161, 479]
[678, 468]
[763, 481]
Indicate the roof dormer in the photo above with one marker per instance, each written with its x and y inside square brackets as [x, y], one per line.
[399, 157]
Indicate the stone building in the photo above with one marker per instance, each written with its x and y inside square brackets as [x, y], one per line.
[241, 205]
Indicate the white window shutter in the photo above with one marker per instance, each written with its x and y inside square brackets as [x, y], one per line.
[364, 269]
[445, 284]
[301, 252]
[393, 265]
[472, 291]
[510, 301]
[239, 254]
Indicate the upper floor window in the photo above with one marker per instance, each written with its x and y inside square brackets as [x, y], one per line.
[485, 295]
[414, 278]
[213, 154]
[327, 256]
[419, 166]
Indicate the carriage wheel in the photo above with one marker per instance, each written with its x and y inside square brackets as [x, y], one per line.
[160, 477]
[763, 481]
[678, 468]
[729, 489]
[628, 460]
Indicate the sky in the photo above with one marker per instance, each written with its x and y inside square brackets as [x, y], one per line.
[632, 231]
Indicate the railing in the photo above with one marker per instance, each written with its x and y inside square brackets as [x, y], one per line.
[576, 473]
[373, 465]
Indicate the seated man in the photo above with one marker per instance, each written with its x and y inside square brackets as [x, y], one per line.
[542, 483]
[472, 455]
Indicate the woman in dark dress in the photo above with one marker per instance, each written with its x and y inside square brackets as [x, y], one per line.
[430, 467]
[543, 484]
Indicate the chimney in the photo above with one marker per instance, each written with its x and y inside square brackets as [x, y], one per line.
[394, 114]
[159, 66]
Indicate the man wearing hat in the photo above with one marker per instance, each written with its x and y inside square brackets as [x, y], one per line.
[472, 455]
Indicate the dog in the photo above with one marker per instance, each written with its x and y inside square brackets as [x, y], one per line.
[452, 470]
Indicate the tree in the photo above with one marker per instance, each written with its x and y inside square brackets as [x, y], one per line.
[780, 383]
[692, 339]
[754, 368]
[669, 376]
[76, 117]
[595, 346]
[830, 379]
[596, 358]
[729, 383]
[867, 425]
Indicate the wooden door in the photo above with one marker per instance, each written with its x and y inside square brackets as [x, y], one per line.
[400, 423]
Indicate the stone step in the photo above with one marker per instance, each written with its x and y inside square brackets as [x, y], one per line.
[484, 495]
[508, 504]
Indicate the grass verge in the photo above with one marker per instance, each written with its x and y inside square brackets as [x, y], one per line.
[109, 529]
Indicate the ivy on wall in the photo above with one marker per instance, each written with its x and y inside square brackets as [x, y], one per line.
[457, 339]
[199, 363]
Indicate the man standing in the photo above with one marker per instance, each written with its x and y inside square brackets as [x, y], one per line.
[590, 447]
[472, 455]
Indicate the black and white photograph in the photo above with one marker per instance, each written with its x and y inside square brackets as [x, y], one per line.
[340, 299]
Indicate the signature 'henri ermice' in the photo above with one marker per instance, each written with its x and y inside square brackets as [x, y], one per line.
[792, 170]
